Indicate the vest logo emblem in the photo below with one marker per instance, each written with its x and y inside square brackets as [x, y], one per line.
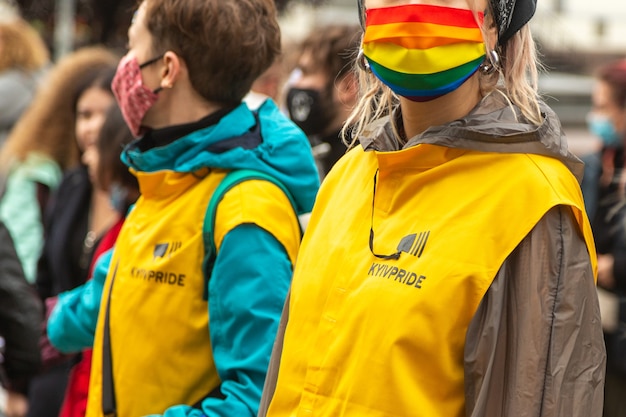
[163, 249]
[414, 244]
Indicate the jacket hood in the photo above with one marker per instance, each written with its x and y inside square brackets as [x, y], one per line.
[264, 140]
[493, 125]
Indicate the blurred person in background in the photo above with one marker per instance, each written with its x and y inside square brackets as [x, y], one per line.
[607, 121]
[78, 213]
[20, 329]
[108, 173]
[322, 89]
[76, 218]
[23, 60]
[42, 146]
[604, 191]
[46, 142]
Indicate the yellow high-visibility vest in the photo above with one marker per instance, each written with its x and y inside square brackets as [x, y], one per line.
[374, 337]
[159, 329]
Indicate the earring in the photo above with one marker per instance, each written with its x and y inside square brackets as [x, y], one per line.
[491, 63]
[362, 62]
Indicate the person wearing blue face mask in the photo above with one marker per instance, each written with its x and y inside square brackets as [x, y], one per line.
[602, 126]
[603, 188]
[606, 121]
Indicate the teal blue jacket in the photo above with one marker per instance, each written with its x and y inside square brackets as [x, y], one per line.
[284, 153]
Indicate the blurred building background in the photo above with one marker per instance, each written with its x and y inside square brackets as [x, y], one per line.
[575, 38]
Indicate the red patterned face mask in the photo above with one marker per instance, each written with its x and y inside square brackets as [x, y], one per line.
[133, 97]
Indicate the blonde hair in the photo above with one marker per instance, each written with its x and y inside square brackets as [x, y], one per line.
[520, 70]
[48, 125]
[375, 101]
[21, 46]
[516, 79]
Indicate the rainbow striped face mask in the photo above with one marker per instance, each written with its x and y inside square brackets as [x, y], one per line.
[423, 51]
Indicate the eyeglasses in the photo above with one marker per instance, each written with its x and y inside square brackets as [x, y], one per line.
[395, 255]
[150, 61]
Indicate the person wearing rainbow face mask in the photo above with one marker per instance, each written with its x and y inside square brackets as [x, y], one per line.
[462, 282]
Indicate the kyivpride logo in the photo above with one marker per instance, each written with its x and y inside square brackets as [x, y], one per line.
[163, 249]
[414, 244]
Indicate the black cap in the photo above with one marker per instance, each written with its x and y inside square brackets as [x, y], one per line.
[511, 16]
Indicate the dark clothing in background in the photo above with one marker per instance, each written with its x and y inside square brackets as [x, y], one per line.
[606, 205]
[20, 319]
[64, 265]
[605, 199]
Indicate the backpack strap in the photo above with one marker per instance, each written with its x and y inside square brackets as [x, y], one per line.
[109, 403]
[228, 182]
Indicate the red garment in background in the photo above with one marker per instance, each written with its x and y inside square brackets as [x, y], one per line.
[75, 401]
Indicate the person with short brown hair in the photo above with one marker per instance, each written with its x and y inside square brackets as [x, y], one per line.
[183, 312]
[206, 38]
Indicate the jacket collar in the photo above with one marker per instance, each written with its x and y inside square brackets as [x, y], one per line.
[494, 125]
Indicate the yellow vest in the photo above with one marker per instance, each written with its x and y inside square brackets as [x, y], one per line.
[159, 328]
[383, 337]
